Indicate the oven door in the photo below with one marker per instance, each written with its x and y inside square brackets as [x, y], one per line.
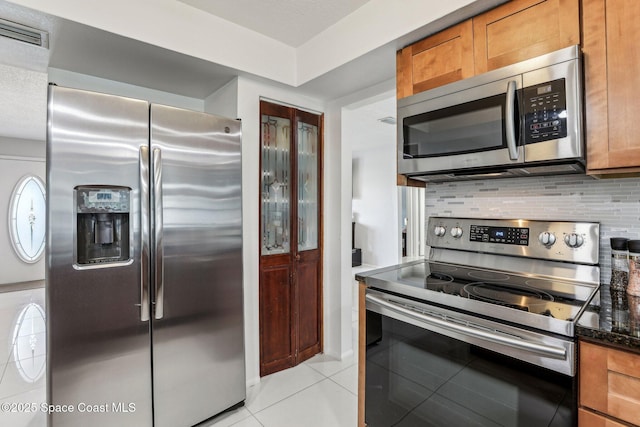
[457, 128]
[437, 367]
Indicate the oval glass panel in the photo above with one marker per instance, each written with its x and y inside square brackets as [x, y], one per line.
[27, 218]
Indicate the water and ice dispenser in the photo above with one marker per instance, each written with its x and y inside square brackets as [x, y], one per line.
[103, 229]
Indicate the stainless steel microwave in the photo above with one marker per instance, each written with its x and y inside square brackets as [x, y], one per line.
[521, 120]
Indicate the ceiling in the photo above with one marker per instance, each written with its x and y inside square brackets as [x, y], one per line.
[87, 50]
[95, 52]
[345, 66]
[293, 22]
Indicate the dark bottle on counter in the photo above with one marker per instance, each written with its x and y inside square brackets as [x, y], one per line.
[619, 283]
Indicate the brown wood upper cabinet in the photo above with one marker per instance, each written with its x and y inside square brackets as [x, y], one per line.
[437, 60]
[523, 29]
[609, 384]
[290, 297]
[513, 32]
[612, 85]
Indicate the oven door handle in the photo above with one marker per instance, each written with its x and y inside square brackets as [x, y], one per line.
[549, 351]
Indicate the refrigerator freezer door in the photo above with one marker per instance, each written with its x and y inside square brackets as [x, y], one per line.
[198, 344]
[97, 345]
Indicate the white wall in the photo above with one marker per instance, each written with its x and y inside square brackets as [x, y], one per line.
[224, 102]
[375, 204]
[23, 103]
[338, 277]
[23, 118]
[19, 147]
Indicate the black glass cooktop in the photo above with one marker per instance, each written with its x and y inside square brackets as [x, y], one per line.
[542, 296]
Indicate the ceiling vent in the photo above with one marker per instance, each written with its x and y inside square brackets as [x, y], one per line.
[24, 34]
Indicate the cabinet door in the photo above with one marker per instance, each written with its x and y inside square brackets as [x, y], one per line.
[612, 85]
[610, 381]
[276, 297]
[523, 29]
[277, 309]
[590, 419]
[307, 259]
[442, 58]
[275, 181]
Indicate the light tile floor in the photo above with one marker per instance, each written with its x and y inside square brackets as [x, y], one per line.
[321, 392]
[22, 358]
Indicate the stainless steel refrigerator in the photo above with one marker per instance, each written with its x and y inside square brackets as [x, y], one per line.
[144, 263]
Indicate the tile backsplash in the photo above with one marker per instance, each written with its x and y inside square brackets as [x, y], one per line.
[614, 203]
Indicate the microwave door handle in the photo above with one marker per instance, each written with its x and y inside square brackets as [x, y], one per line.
[510, 120]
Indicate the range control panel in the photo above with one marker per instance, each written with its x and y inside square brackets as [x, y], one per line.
[577, 242]
[504, 235]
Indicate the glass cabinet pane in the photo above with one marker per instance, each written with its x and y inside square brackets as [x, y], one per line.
[275, 222]
[307, 186]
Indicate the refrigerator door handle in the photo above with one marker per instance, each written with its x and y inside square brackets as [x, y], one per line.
[143, 161]
[159, 251]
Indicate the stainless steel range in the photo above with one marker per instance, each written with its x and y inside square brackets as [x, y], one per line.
[512, 290]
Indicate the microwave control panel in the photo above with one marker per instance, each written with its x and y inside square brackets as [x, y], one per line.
[545, 111]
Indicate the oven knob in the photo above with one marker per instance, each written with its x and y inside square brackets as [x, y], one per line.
[546, 238]
[573, 240]
[456, 232]
[439, 231]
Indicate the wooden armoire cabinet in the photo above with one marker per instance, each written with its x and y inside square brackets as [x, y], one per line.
[290, 297]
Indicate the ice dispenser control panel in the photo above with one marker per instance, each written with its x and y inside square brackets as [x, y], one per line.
[102, 228]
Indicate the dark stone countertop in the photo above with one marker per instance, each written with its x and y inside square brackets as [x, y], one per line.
[616, 322]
